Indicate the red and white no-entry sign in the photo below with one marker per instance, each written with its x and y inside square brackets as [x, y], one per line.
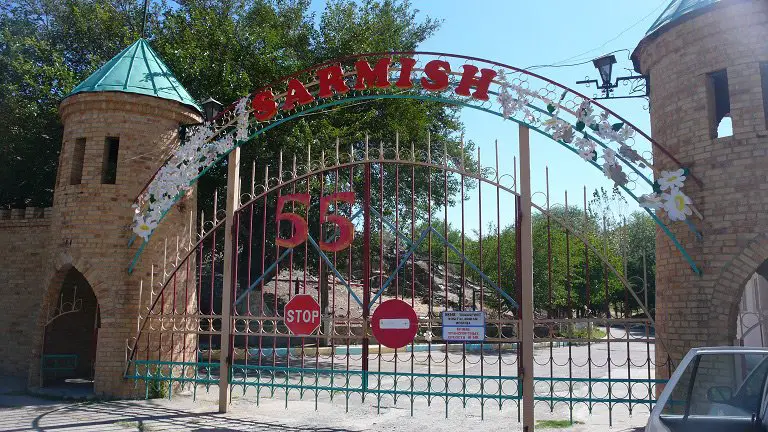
[394, 323]
[302, 315]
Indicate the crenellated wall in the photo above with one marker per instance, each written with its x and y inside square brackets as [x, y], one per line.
[24, 242]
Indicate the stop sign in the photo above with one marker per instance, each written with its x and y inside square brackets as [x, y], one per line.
[302, 314]
[394, 323]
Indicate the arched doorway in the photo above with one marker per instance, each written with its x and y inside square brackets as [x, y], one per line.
[752, 319]
[72, 323]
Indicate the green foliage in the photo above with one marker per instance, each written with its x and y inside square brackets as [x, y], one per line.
[576, 255]
[589, 332]
[157, 389]
[218, 48]
[551, 424]
[46, 48]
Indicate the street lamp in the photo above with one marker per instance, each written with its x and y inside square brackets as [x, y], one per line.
[211, 108]
[604, 66]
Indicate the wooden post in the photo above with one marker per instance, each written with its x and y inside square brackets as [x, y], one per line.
[233, 202]
[526, 261]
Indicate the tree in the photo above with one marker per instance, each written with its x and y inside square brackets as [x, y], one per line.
[46, 48]
[218, 48]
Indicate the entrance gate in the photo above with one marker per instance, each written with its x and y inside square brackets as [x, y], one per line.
[363, 224]
[389, 242]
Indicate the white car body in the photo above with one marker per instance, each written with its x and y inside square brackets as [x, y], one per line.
[655, 423]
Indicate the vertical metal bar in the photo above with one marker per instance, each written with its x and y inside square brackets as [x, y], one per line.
[549, 251]
[481, 281]
[590, 323]
[413, 256]
[233, 201]
[518, 297]
[526, 235]
[381, 265]
[430, 277]
[499, 300]
[550, 306]
[570, 326]
[366, 271]
[609, 362]
[261, 288]
[445, 273]
[463, 280]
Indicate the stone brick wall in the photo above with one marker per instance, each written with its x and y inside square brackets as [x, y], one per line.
[733, 196]
[23, 249]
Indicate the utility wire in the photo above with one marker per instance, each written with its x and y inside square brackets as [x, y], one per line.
[571, 64]
[558, 64]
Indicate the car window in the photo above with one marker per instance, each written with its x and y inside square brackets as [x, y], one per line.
[679, 397]
[720, 384]
[753, 385]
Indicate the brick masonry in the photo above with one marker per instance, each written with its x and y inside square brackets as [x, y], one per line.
[24, 235]
[88, 229]
[733, 198]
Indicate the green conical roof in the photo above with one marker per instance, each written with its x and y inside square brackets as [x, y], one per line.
[137, 69]
[677, 9]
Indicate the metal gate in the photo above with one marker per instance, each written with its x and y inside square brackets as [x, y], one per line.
[437, 230]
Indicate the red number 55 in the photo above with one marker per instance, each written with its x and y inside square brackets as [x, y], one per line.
[346, 229]
[298, 224]
[299, 227]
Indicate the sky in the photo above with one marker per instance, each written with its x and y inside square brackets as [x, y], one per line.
[546, 32]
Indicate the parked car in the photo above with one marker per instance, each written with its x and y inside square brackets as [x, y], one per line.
[715, 389]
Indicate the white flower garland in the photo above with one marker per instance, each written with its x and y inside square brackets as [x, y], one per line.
[199, 151]
[515, 99]
[675, 202]
[175, 178]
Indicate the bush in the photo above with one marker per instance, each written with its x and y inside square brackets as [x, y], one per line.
[158, 389]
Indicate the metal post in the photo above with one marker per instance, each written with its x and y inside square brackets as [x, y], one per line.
[645, 283]
[233, 202]
[526, 260]
[366, 273]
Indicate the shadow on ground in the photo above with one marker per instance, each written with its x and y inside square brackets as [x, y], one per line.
[131, 415]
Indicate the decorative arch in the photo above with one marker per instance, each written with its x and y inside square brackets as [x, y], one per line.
[67, 326]
[729, 287]
[63, 264]
[605, 140]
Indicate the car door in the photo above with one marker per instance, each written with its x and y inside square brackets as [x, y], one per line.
[720, 391]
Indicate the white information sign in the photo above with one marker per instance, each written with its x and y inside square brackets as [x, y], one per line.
[463, 326]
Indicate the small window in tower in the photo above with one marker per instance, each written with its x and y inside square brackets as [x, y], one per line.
[78, 157]
[764, 76]
[719, 104]
[109, 167]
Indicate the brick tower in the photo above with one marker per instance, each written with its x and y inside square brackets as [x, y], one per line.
[120, 124]
[708, 66]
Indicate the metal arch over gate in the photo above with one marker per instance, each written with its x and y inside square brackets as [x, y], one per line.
[542, 105]
[341, 229]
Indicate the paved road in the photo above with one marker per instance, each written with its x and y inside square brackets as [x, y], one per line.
[281, 413]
